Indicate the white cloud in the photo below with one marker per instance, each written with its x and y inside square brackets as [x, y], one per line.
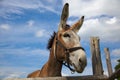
[111, 21]
[91, 8]
[13, 72]
[12, 75]
[30, 23]
[116, 53]
[24, 51]
[99, 27]
[18, 7]
[41, 33]
[4, 27]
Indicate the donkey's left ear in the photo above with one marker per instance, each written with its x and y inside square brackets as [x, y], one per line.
[64, 16]
[77, 25]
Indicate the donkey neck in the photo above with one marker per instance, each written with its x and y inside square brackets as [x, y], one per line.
[54, 67]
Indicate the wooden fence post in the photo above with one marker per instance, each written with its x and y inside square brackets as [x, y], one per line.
[96, 57]
[108, 61]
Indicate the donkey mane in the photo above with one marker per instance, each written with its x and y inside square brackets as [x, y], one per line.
[50, 41]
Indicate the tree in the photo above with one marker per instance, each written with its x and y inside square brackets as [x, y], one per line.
[118, 67]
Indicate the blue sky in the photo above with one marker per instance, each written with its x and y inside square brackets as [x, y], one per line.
[26, 26]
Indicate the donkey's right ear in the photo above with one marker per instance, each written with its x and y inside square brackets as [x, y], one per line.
[64, 16]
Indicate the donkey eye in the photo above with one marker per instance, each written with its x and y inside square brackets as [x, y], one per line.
[66, 35]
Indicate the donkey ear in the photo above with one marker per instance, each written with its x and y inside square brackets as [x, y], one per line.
[64, 16]
[78, 25]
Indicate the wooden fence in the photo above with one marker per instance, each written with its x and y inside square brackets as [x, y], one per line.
[96, 56]
[89, 77]
[96, 66]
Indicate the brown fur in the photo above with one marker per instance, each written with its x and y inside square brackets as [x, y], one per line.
[52, 67]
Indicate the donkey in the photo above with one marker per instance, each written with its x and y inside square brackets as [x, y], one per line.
[65, 49]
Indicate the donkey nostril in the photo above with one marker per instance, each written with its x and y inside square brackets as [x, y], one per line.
[80, 60]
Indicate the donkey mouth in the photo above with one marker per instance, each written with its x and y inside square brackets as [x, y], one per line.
[78, 69]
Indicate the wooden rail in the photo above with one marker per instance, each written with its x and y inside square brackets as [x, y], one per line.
[88, 77]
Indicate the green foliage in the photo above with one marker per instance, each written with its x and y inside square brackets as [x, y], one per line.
[117, 67]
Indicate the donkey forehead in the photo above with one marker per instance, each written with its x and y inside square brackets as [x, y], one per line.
[71, 32]
[68, 31]
[73, 36]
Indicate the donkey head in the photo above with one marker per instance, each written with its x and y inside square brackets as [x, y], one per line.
[70, 39]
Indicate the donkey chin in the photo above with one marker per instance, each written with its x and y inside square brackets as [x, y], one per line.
[78, 60]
